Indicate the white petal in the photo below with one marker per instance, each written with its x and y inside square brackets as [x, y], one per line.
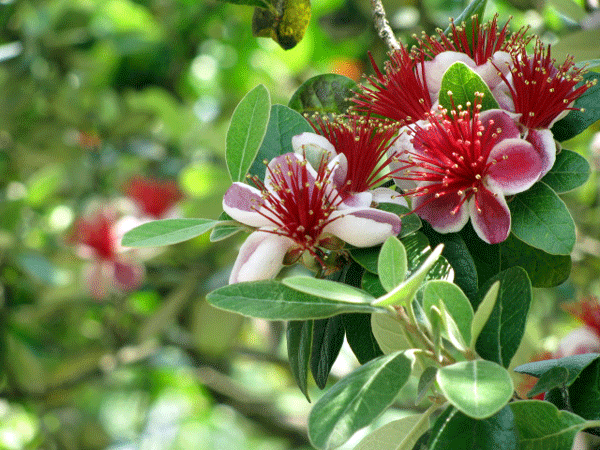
[435, 69]
[339, 169]
[260, 257]
[242, 202]
[543, 141]
[400, 148]
[387, 195]
[314, 147]
[359, 200]
[489, 73]
[363, 227]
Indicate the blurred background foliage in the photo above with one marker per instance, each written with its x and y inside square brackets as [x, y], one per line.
[95, 92]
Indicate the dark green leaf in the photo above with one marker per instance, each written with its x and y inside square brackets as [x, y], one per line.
[541, 219]
[584, 393]
[425, 382]
[272, 300]
[574, 364]
[569, 172]
[323, 94]
[486, 256]
[166, 232]
[360, 337]
[299, 342]
[555, 377]
[284, 123]
[366, 257]
[246, 131]
[541, 426]
[417, 251]
[328, 337]
[454, 430]
[260, 3]
[356, 400]
[459, 86]
[410, 222]
[224, 230]
[477, 388]
[576, 121]
[371, 284]
[544, 269]
[502, 334]
[475, 8]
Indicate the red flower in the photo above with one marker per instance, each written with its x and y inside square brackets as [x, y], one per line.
[154, 197]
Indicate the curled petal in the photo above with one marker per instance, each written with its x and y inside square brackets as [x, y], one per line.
[444, 213]
[517, 166]
[500, 61]
[242, 202]
[387, 195]
[339, 170]
[313, 147]
[504, 121]
[260, 257]
[359, 200]
[363, 227]
[399, 151]
[543, 142]
[490, 215]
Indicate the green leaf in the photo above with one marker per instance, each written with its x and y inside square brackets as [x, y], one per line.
[483, 312]
[246, 131]
[371, 284]
[438, 293]
[410, 222]
[426, 380]
[541, 426]
[541, 219]
[391, 264]
[367, 257]
[390, 333]
[284, 123]
[356, 400]
[224, 230]
[570, 171]
[454, 430]
[299, 343]
[360, 337]
[323, 94]
[328, 337]
[555, 377]
[477, 388]
[417, 251]
[503, 331]
[327, 289]
[285, 23]
[274, 301]
[40, 268]
[485, 256]
[475, 8]
[576, 121]
[405, 292]
[166, 232]
[574, 365]
[459, 86]
[401, 434]
[543, 269]
[260, 3]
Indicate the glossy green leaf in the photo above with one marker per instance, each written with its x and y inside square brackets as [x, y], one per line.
[474, 8]
[390, 333]
[410, 222]
[166, 232]
[459, 86]
[228, 227]
[359, 335]
[574, 365]
[483, 312]
[485, 256]
[541, 219]
[455, 302]
[328, 337]
[272, 300]
[285, 22]
[371, 284]
[418, 250]
[455, 430]
[555, 377]
[401, 434]
[543, 269]
[541, 426]
[284, 123]
[356, 400]
[577, 121]
[502, 334]
[391, 264]
[299, 343]
[327, 289]
[246, 131]
[477, 388]
[367, 257]
[426, 380]
[570, 171]
[323, 94]
[405, 292]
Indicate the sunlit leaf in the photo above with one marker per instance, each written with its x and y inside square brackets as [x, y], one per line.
[327, 289]
[166, 232]
[459, 85]
[391, 264]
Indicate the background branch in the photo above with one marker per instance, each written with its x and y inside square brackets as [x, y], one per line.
[383, 26]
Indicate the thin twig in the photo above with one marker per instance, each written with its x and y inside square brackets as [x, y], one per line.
[383, 26]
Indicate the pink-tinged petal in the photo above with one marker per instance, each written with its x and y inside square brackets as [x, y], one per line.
[260, 257]
[387, 195]
[435, 69]
[314, 147]
[242, 202]
[543, 142]
[363, 227]
[517, 168]
[502, 95]
[502, 120]
[490, 215]
[579, 341]
[489, 70]
[358, 200]
[440, 212]
[399, 151]
[128, 275]
[339, 170]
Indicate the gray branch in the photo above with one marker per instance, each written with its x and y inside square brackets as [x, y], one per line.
[383, 26]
